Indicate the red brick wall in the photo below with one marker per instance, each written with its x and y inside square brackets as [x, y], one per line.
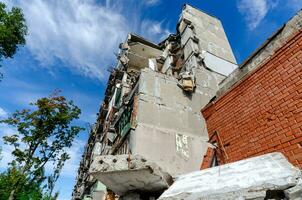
[263, 113]
[207, 160]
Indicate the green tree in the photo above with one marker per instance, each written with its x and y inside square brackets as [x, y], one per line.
[27, 189]
[13, 30]
[43, 136]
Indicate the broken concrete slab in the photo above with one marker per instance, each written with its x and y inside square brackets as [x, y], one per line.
[123, 173]
[294, 193]
[252, 178]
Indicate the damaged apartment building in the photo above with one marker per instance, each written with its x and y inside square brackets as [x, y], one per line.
[149, 128]
[149, 131]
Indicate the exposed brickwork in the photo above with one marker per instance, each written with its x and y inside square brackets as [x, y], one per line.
[263, 113]
[207, 159]
[215, 151]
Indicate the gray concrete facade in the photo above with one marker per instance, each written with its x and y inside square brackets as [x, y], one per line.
[170, 129]
[209, 32]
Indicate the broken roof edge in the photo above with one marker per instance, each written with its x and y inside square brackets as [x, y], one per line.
[262, 54]
[195, 8]
[170, 37]
[200, 10]
[137, 38]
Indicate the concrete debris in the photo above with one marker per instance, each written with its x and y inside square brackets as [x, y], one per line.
[294, 193]
[167, 64]
[187, 82]
[124, 59]
[123, 173]
[253, 178]
[152, 64]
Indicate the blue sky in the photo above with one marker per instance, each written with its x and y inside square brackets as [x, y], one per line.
[71, 43]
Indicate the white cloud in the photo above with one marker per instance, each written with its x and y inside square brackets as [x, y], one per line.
[79, 33]
[152, 2]
[71, 166]
[3, 113]
[254, 11]
[6, 150]
[84, 34]
[154, 30]
[6, 156]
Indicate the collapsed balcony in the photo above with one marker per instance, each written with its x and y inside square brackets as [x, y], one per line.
[139, 53]
[123, 173]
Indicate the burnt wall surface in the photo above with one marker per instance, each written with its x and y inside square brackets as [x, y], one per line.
[263, 112]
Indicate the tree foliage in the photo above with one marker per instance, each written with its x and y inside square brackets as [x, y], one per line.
[26, 189]
[43, 136]
[13, 30]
